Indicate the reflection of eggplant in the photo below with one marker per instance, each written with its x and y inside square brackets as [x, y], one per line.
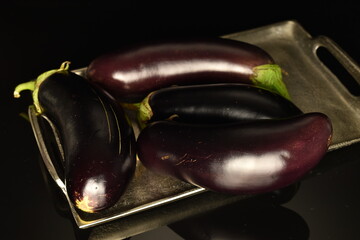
[97, 140]
[131, 74]
[215, 103]
[244, 221]
[253, 157]
[280, 196]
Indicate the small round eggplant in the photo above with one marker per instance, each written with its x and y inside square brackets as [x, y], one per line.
[237, 158]
[98, 142]
[130, 74]
[214, 103]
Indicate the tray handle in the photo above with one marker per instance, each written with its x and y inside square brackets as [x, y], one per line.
[341, 56]
[43, 150]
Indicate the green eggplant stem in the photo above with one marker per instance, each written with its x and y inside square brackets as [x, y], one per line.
[34, 85]
[144, 112]
[23, 86]
[269, 76]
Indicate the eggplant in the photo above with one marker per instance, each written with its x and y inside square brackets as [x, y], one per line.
[98, 141]
[214, 103]
[237, 158]
[130, 74]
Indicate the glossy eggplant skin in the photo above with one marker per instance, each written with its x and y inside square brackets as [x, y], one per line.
[97, 140]
[132, 73]
[215, 103]
[237, 158]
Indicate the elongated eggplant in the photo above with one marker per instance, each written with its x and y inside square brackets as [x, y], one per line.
[130, 74]
[253, 157]
[98, 142]
[215, 103]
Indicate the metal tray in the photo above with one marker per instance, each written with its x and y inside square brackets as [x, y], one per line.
[312, 86]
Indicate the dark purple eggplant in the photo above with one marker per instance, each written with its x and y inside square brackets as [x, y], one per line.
[215, 103]
[130, 74]
[237, 158]
[98, 142]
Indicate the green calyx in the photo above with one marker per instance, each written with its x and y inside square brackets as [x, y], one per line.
[34, 85]
[144, 112]
[269, 76]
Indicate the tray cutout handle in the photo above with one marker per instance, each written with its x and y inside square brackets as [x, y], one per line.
[339, 63]
[43, 150]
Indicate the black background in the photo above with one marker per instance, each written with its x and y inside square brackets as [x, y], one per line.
[36, 36]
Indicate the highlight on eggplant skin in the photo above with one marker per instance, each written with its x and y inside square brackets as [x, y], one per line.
[253, 157]
[132, 73]
[98, 142]
[214, 103]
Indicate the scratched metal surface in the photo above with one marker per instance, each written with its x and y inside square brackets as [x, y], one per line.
[312, 87]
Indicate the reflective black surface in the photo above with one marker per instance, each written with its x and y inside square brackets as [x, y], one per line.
[38, 35]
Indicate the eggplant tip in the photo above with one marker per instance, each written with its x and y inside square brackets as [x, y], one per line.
[84, 204]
